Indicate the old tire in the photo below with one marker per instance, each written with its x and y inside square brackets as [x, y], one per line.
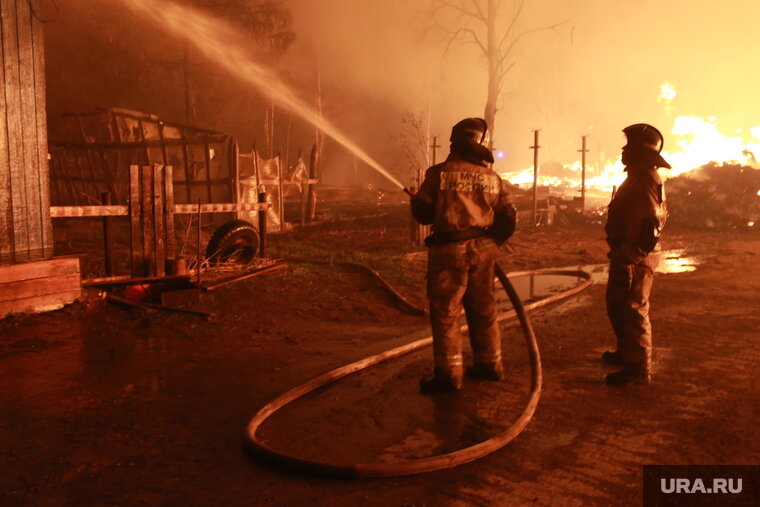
[236, 241]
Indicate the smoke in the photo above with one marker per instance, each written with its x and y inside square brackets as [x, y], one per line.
[594, 80]
[380, 59]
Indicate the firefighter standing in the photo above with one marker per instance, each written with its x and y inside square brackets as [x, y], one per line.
[464, 201]
[635, 219]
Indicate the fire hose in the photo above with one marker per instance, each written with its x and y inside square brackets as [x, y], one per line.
[432, 463]
[403, 302]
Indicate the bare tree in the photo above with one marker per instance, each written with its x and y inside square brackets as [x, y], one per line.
[412, 141]
[267, 22]
[481, 25]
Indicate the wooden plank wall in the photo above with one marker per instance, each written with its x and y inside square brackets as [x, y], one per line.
[39, 286]
[25, 225]
[151, 212]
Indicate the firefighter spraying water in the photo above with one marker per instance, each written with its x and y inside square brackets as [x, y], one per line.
[464, 200]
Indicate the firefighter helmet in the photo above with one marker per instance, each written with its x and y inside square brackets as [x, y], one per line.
[469, 140]
[642, 135]
[643, 144]
[475, 129]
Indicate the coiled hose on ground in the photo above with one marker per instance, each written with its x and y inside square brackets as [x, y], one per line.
[432, 463]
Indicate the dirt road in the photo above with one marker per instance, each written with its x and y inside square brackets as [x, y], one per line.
[102, 405]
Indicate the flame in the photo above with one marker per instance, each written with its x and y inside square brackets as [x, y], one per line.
[667, 93]
[695, 141]
[701, 142]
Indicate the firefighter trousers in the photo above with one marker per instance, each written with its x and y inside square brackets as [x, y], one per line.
[468, 283]
[628, 289]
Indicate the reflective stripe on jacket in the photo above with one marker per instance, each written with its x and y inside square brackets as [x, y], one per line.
[457, 195]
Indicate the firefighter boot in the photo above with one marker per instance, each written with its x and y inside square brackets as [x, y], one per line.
[630, 374]
[611, 357]
[482, 371]
[436, 385]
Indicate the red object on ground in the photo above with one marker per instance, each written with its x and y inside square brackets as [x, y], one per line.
[137, 292]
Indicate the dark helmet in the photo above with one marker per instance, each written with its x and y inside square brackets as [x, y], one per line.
[475, 129]
[644, 136]
[469, 139]
[644, 143]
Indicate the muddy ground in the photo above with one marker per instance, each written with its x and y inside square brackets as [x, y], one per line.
[103, 405]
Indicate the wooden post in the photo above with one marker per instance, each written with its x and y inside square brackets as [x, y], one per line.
[583, 151]
[262, 226]
[312, 204]
[169, 211]
[159, 214]
[148, 217]
[105, 198]
[281, 196]
[135, 222]
[535, 148]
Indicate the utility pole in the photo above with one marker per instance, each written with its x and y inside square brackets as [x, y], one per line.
[311, 214]
[535, 148]
[424, 230]
[583, 151]
[435, 146]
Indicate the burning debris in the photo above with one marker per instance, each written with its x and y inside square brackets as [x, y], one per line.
[715, 196]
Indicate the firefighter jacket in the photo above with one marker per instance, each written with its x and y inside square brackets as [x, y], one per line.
[462, 200]
[636, 216]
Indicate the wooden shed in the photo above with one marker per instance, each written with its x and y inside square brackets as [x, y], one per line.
[30, 279]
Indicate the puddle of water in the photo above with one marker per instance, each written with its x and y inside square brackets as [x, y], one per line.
[532, 288]
[535, 287]
[671, 261]
[676, 261]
